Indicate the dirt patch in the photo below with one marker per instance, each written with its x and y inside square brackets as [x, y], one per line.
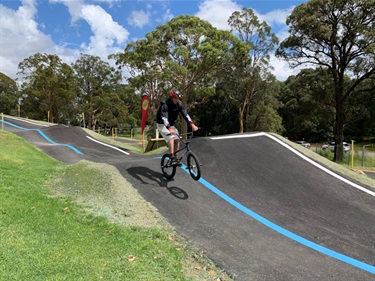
[102, 190]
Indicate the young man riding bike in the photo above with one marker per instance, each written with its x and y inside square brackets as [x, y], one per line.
[166, 118]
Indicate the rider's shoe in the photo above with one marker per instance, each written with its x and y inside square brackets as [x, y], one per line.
[175, 161]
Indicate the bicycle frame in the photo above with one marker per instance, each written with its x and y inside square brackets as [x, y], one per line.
[186, 143]
[168, 166]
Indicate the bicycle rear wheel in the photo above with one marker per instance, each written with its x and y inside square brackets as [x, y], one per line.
[167, 169]
[193, 166]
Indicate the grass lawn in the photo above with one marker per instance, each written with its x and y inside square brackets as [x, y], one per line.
[46, 235]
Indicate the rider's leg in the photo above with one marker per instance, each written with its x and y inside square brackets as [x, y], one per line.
[169, 139]
[176, 146]
[171, 147]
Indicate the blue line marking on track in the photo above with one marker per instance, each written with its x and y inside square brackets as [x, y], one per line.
[283, 231]
[44, 136]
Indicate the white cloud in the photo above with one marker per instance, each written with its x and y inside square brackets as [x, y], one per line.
[217, 12]
[74, 8]
[139, 18]
[107, 33]
[281, 69]
[275, 17]
[105, 30]
[20, 37]
[110, 3]
[167, 16]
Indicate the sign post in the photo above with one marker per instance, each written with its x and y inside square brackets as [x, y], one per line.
[145, 107]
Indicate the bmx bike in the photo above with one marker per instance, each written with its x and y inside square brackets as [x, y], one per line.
[169, 166]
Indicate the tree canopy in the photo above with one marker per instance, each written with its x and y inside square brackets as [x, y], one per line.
[224, 76]
[48, 88]
[184, 53]
[98, 97]
[338, 35]
[248, 66]
[9, 94]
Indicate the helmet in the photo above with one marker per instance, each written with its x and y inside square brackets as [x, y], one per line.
[175, 93]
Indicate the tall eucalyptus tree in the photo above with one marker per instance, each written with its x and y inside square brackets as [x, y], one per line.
[49, 87]
[9, 94]
[184, 53]
[338, 35]
[249, 72]
[98, 99]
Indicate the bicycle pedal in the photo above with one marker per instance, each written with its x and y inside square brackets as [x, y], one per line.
[176, 163]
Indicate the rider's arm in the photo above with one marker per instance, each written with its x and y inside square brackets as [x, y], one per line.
[186, 116]
[164, 117]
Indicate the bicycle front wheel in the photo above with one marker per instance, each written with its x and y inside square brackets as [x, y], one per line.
[193, 166]
[167, 169]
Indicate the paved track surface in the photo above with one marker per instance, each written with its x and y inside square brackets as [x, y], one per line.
[260, 212]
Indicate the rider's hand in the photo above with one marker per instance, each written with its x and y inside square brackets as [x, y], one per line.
[171, 131]
[195, 128]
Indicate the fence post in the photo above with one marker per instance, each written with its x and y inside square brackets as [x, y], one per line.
[352, 150]
[363, 153]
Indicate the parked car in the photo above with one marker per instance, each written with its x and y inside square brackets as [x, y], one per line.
[303, 143]
[331, 146]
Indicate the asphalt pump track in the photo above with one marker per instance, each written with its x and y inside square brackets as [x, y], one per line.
[261, 211]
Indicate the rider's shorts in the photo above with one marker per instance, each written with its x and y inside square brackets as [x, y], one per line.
[166, 133]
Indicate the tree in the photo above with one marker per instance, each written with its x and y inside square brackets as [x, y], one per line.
[264, 115]
[98, 98]
[308, 111]
[49, 87]
[184, 53]
[132, 103]
[146, 71]
[218, 116]
[362, 115]
[338, 35]
[248, 72]
[9, 94]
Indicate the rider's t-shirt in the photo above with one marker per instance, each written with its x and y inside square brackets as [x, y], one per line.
[168, 113]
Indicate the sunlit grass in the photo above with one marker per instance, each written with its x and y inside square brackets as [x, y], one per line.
[358, 161]
[52, 238]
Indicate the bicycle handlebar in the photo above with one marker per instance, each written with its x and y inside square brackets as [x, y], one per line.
[180, 135]
[186, 134]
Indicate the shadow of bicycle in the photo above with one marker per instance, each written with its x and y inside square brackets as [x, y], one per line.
[147, 176]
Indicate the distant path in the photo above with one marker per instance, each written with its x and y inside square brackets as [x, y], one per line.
[261, 211]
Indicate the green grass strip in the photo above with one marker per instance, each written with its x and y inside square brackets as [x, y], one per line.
[53, 238]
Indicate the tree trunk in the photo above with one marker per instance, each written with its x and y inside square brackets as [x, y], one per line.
[339, 135]
[241, 112]
[184, 125]
[93, 123]
[339, 123]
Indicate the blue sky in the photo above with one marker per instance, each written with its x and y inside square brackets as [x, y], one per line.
[101, 27]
